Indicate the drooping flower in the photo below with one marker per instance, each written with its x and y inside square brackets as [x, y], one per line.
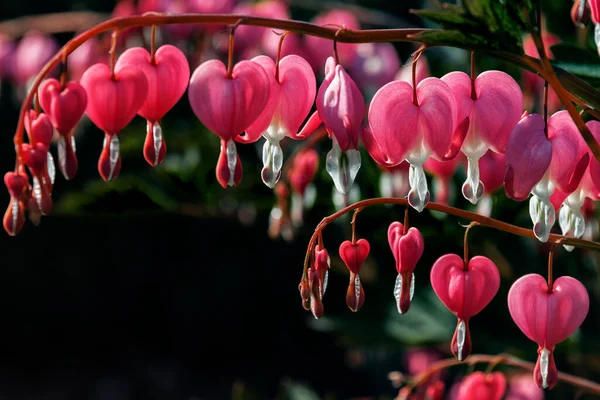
[167, 74]
[537, 161]
[407, 247]
[227, 106]
[65, 106]
[595, 14]
[490, 106]
[291, 95]
[300, 175]
[354, 255]
[14, 217]
[113, 100]
[341, 108]
[480, 386]
[547, 314]
[38, 159]
[580, 13]
[402, 127]
[465, 289]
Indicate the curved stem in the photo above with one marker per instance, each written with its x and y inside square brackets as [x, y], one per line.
[550, 261]
[584, 384]
[153, 45]
[353, 224]
[279, 49]
[414, 81]
[466, 243]
[113, 53]
[405, 230]
[546, 108]
[483, 221]
[473, 92]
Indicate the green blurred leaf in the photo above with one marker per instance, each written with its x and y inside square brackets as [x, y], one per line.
[572, 53]
[449, 17]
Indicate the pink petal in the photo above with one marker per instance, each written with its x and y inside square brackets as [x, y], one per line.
[498, 108]
[437, 118]
[528, 156]
[260, 125]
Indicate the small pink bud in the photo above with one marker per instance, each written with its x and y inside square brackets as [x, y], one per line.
[354, 255]
[407, 248]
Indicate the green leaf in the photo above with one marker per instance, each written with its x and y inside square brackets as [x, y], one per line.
[448, 17]
[463, 40]
[571, 53]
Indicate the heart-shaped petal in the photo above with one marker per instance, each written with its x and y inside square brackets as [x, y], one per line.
[65, 106]
[465, 292]
[354, 254]
[167, 77]
[228, 106]
[16, 183]
[480, 386]
[407, 248]
[548, 318]
[35, 157]
[528, 156]
[114, 101]
[491, 170]
[39, 128]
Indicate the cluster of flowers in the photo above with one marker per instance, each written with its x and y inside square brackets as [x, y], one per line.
[547, 312]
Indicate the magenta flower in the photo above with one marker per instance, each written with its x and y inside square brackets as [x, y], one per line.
[537, 164]
[547, 315]
[168, 74]
[341, 108]
[413, 129]
[354, 255]
[113, 100]
[480, 386]
[465, 289]
[407, 248]
[227, 106]
[291, 96]
[490, 107]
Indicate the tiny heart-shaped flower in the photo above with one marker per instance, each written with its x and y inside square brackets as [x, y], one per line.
[480, 386]
[407, 249]
[39, 128]
[465, 289]
[113, 100]
[16, 183]
[354, 255]
[35, 157]
[547, 316]
[65, 106]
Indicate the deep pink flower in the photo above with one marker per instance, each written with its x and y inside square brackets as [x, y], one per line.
[580, 13]
[168, 75]
[480, 386]
[354, 255]
[491, 107]
[227, 106]
[14, 217]
[547, 316]
[400, 129]
[407, 248]
[595, 10]
[113, 101]
[291, 96]
[341, 108]
[538, 164]
[40, 131]
[465, 289]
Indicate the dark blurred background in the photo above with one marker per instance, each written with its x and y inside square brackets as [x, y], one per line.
[162, 285]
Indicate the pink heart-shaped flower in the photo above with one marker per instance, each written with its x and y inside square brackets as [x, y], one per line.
[16, 183]
[167, 76]
[35, 157]
[548, 318]
[65, 106]
[290, 98]
[407, 249]
[113, 101]
[226, 105]
[480, 386]
[465, 291]
[39, 128]
[354, 254]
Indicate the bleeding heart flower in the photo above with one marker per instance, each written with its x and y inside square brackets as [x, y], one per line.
[354, 255]
[490, 107]
[480, 386]
[300, 176]
[39, 128]
[403, 127]
[227, 106]
[407, 247]
[595, 14]
[65, 107]
[36, 158]
[113, 101]
[341, 107]
[547, 315]
[538, 163]
[465, 288]
[167, 74]
[14, 217]
[291, 96]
